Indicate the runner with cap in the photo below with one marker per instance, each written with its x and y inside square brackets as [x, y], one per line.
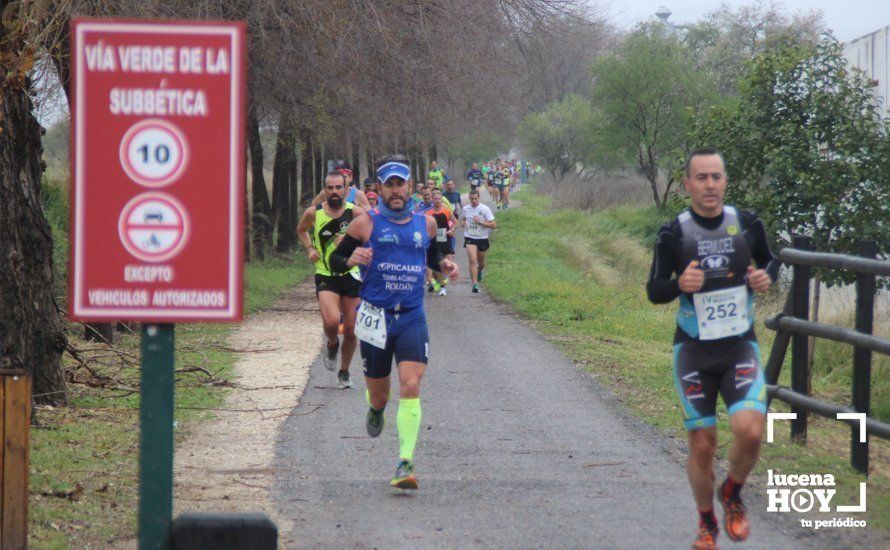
[393, 246]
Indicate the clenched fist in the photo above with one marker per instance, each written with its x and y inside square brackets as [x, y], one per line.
[692, 279]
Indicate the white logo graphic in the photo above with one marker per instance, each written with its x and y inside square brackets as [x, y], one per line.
[795, 493]
[418, 240]
[715, 262]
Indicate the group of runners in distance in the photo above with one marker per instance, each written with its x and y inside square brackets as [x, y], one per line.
[500, 177]
[378, 251]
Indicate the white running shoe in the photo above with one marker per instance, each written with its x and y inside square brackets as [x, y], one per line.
[330, 356]
[443, 292]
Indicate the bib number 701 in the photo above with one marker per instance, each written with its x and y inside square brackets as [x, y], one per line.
[370, 325]
[368, 321]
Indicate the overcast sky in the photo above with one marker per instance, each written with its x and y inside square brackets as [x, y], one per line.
[848, 19]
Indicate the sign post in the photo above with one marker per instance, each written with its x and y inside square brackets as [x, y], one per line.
[157, 194]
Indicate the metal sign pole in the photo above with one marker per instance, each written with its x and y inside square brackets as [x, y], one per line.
[156, 437]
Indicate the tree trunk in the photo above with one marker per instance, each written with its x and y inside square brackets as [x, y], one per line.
[305, 166]
[246, 204]
[356, 162]
[282, 194]
[318, 162]
[31, 335]
[262, 210]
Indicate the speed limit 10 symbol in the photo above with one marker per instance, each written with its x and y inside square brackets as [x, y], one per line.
[154, 153]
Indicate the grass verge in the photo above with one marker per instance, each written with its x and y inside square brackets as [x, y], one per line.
[580, 276]
[84, 458]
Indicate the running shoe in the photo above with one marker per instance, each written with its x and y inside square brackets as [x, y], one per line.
[735, 520]
[436, 286]
[443, 292]
[330, 356]
[707, 537]
[430, 287]
[344, 379]
[374, 422]
[475, 289]
[481, 269]
[404, 478]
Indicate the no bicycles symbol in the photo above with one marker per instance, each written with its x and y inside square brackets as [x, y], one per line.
[154, 153]
[153, 227]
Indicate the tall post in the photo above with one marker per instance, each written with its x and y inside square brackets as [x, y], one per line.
[800, 308]
[156, 438]
[865, 304]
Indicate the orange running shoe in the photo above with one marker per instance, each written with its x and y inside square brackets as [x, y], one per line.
[707, 537]
[735, 520]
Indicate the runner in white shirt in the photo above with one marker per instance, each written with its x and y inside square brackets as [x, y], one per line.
[477, 221]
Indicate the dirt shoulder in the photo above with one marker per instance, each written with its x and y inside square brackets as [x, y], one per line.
[225, 464]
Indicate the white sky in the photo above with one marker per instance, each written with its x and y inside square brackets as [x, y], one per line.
[848, 19]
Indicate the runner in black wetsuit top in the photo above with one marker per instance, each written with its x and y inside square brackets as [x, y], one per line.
[704, 257]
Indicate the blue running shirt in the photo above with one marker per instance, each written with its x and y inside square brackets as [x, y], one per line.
[396, 275]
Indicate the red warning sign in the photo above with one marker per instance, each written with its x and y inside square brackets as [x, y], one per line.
[158, 170]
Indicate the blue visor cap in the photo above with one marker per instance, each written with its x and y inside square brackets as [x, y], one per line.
[393, 170]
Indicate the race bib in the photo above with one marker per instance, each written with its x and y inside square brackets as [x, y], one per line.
[721, 313]
[370, 325]
[442, 234]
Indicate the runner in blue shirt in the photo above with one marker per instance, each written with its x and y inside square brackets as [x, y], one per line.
[394, 246]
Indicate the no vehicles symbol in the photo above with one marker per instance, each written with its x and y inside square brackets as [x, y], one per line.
[154, 227]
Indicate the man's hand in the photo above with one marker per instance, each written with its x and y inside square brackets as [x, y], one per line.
[313, 254]
[758, 279]
[360, 256]
[692, 279]
[450, 269]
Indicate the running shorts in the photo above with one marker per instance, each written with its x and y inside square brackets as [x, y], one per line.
[445, 248]
[342, 285]
[703, 370]
[482, 244]
[407, 339]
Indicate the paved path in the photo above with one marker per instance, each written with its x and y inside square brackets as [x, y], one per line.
[518, 449]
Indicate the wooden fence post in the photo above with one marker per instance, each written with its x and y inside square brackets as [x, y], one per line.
[15, 424]
[865, 306]
[800, 308]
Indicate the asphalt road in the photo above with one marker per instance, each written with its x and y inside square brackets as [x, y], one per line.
[518, 449]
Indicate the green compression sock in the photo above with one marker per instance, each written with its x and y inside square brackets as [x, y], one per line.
[408, 423]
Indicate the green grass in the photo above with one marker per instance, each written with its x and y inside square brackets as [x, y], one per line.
[580, 276]
[90, 449]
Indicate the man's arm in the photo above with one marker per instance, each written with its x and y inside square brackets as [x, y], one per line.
[760, 251]
[768, 266]
[490, 222]
[319, 198]
[348, 253]
[306, 223]
[361, 200]
[661, 287]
